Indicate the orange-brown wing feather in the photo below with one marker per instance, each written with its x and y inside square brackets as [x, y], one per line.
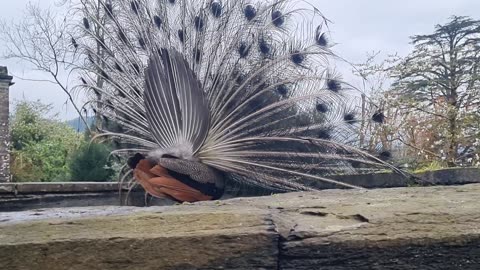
[156, 181]
[177, 189]
[159, 170]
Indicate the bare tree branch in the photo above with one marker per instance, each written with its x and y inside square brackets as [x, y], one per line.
[42, 41]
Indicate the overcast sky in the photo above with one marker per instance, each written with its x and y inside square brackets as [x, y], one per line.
[359, 26]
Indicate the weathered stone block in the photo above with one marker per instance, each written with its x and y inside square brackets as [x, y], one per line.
[399, 228]
[182, 240]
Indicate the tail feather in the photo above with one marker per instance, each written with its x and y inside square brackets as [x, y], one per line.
[246, 87]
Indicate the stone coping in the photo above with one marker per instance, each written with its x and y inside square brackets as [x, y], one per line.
[58, 187]
[453, 176]
[396, 228]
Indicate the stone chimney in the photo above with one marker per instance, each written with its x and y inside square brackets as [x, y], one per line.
[5, 83]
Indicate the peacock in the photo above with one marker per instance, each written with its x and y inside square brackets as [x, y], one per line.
[200, 93]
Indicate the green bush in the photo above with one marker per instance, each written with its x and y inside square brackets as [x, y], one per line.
[41, 144]
[91, 163]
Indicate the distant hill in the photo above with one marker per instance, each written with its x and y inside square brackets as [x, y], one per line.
[78, 124]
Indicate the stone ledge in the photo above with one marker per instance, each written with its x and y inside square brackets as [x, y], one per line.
[58, 187]
[400, 228]
[452, 176]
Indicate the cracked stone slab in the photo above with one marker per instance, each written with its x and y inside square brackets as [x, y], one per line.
[108, 238]
[402, 228]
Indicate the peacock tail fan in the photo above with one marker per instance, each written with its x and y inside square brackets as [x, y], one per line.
[242, 89]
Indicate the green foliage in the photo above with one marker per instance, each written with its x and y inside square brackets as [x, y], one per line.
[433, 166]
[27, 125]
[47, 150]
[41, 145]
[92, 163]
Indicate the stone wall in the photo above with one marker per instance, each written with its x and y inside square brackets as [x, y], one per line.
[397, 228]
[26, 196]
[5, 82]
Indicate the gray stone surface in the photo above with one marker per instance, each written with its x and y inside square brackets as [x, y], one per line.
[66, 187]
[398, 228]
[33, 201]
[27, 196]
[57, 187]
[451, 176]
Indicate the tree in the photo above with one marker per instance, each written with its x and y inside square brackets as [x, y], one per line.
[91, 163]
[376, 101]
[404, 135]
[51, 41]
[41, 145]
[42, 40]
[390, 132]
[439, 83]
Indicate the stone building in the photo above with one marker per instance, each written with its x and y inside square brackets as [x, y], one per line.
[5, 83]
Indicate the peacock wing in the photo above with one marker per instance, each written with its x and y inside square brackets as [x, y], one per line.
[195, 170]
